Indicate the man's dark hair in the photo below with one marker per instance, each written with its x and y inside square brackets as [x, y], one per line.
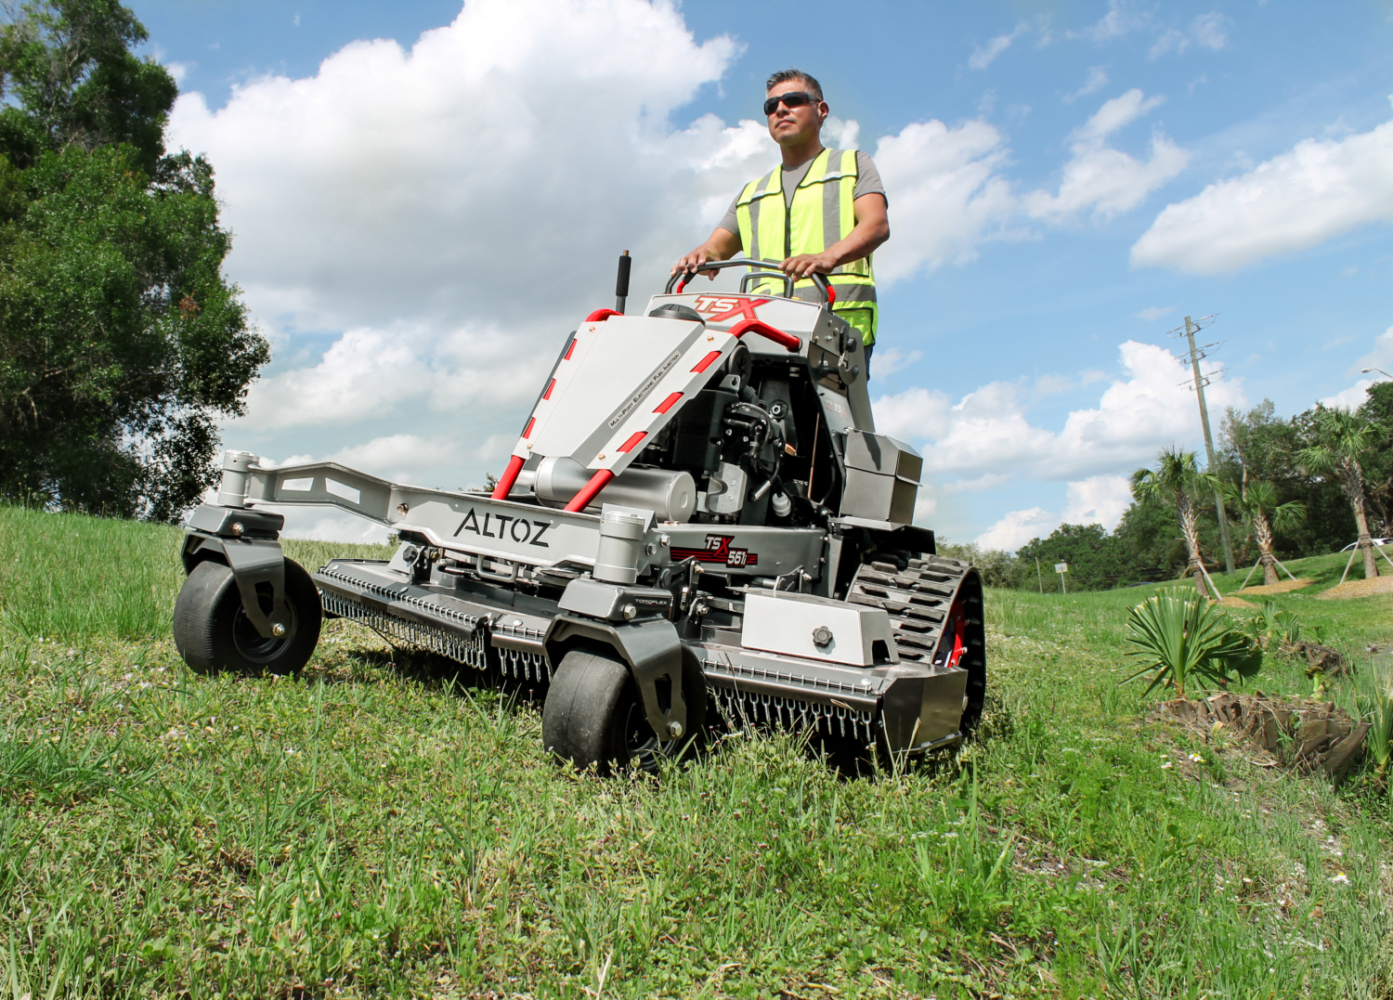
[813, 86]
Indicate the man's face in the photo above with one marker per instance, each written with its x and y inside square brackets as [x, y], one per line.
[794, 126]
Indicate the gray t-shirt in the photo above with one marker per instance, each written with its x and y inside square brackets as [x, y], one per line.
[867, 182]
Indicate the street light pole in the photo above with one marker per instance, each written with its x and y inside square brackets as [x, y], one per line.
[1190, 328]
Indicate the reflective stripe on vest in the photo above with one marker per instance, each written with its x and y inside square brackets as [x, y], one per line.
[821, 214]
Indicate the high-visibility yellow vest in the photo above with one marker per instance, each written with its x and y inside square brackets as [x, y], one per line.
[821, 214]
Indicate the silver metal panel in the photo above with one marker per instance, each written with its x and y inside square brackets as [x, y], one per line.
[792, 623]
[460, 522]
[734, 483]
[607, 400]
[746, 550]
[879, 498]
[882, 454]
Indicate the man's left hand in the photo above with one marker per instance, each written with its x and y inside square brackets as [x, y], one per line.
[809, 263]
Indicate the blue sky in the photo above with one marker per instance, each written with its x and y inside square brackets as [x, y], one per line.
[417, 224]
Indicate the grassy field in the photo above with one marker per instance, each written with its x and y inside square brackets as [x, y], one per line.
[378, 828]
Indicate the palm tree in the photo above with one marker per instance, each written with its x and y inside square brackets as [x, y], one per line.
[1179, 482]
[1340, 439]
[1257, 503]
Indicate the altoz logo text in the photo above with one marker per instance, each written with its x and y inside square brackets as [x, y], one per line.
[521, 530]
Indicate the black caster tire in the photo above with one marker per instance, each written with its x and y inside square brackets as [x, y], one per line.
[213, 633]
[594, 716]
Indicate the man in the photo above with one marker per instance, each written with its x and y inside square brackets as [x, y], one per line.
[822, 212]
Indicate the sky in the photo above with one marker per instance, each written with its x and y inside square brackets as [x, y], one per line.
[426, 196]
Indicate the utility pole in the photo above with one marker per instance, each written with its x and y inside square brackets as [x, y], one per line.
[1191, 328]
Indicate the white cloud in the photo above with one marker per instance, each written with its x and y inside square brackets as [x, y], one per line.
[1017, 528]
[1116, 113]
[1137, 416]
[972, 444]
[179, 70]
[1103, 179]
[913, 415]
[1171, 40]
[368, 374]
[447, 185]
[1380, 357]
[948, 196]
[1210, 30]
[1097, 80]
[1300, 199]
[1152, 313]
[983, 55]
[328, 524]
[1382, 354]
[988, 433]
[892, 359]
[1049, 385]
[1098, 500]
[1351, 398]
[1121, 19]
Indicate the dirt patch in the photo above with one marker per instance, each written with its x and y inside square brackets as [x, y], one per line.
[1359, 588]
[1229, 601]
[1305, 736]
[1286, 586]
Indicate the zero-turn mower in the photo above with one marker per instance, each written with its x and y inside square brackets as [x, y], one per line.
[697, 519]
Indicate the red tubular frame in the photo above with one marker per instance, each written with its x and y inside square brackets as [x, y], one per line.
[510, 475]
[588, 492]
[600, 315]
[765, 330]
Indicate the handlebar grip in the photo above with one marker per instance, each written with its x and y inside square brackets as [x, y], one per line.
[681, 278]
[778, 336]
[621, 284]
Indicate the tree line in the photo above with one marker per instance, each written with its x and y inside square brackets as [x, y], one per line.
[1292, 487]
[121, 342]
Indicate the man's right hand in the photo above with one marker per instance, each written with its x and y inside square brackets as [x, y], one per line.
[693, 261]
[722, 245]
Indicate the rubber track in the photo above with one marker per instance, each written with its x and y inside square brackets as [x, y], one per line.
[917, 599]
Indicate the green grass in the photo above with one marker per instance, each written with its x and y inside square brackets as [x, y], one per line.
[373, 829]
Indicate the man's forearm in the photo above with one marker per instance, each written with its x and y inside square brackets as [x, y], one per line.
[860, 242]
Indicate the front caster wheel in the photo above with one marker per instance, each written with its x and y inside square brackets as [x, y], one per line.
[594, 715]
[213, 633]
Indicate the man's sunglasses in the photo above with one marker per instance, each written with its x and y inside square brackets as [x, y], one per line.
[793, 99]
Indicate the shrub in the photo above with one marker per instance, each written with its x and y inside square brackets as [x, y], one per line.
[1182, 641]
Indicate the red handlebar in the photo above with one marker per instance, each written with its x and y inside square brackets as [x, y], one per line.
[765, 330]
[600, 315]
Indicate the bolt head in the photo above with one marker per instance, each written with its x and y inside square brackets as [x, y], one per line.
[674, 729]
[630, 612]
[402, 508]
[237, 528]
[278, 630]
